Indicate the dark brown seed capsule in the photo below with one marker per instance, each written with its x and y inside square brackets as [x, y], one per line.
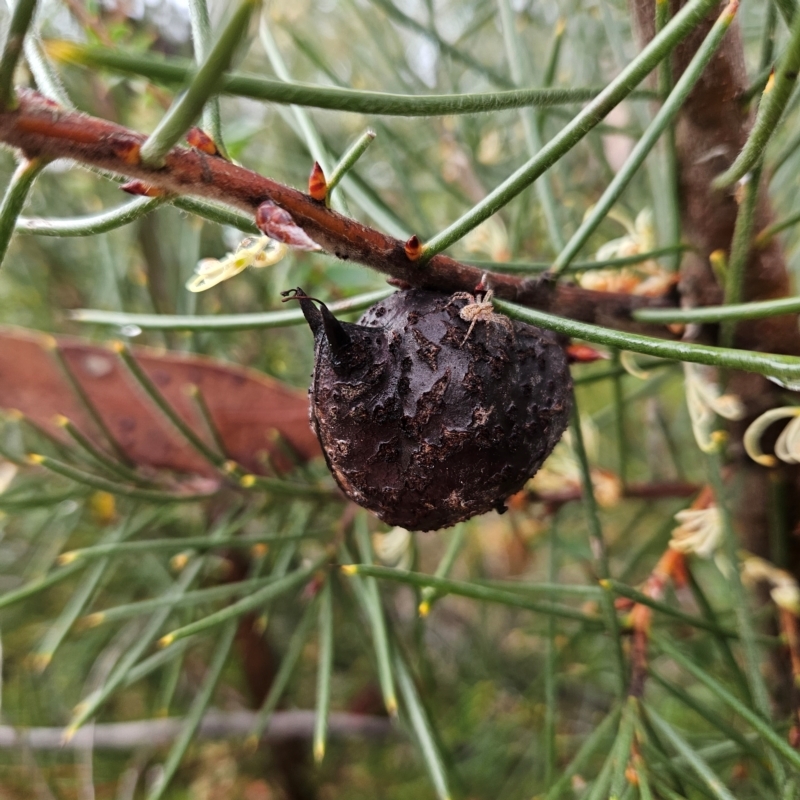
[424, 423]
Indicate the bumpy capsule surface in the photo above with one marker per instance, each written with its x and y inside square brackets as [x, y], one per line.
[423, 426]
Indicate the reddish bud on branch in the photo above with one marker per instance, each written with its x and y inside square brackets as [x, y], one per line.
[141, 188]
[200, 140]
[317, 185]
[413, 248]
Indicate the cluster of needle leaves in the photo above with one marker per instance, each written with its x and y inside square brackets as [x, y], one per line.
[493, 660]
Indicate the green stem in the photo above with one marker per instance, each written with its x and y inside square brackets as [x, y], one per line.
[204, 84]
[445, 47]
[616, 91]
[770, 110]
[56, 634]
[578, 266]
[356, 101]
[38, 585]
[151, 390]
[533, 139]
[222, 215]
[555, 53]
[473, 590]
[286, 671]
[86, 402]
[784, 370]
[14, 199]
[105, 485]
[324, 671]
[428, 594]
[278, 486]
[787, 9]
[205, 412]
[21, 19]
[90, 224]
[350, 157]
[201, 38]
[734, 312]
[421, 725]
[619, 419]
[756, 86]
[705, 772]
[621, 753]
[305, 128]
[740, 251]
[240, 607]
[765, 236]
[550, 664]
[723, 644]
[222, 322]
[374, 609]
[598, 548]
[708, 714]
[672, 225]
[590, 745]
[177, 545]
[747, 632]
[90, 704]
[97, 455]
[188, 600]
[623, 590]
[48, 81]
[663, 119]
[193, 718]
[785, 154]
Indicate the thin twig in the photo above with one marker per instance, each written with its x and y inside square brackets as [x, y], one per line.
[284, 725]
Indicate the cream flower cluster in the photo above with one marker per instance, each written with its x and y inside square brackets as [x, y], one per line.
[254, 251]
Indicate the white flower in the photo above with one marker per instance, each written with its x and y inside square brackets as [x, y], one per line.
[699, 531]
[627, 361]
[8, 472]
[647, 278]
[393, 548]
[787, 448]
[254, 251]
[705, 400]
[562, 470]
[785, 592]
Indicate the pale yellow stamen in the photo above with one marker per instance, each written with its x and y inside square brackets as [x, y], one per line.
[753, 434]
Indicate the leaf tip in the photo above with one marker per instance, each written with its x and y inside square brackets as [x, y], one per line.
[319, 752]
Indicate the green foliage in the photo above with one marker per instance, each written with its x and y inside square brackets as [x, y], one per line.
[500, 653]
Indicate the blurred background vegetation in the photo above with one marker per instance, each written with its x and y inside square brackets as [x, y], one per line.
[495, 700]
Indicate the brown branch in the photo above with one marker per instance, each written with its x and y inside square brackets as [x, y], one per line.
[39, 128]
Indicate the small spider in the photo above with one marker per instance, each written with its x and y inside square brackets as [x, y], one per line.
[480, 309]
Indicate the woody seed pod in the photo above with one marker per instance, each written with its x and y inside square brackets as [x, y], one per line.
[423, 426]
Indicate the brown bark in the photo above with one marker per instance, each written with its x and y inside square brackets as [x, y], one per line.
[40, 129]
[711, 129]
